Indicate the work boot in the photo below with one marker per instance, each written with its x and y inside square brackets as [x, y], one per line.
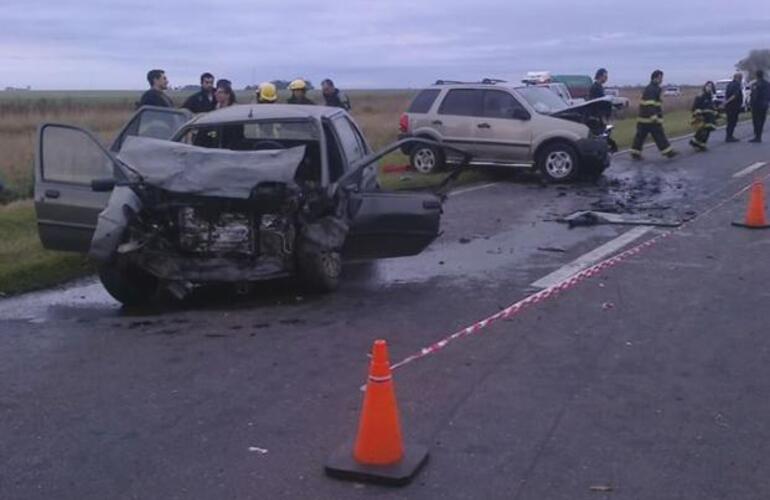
[756, 140]
[672, 153]
[698, 147]
[732, 139]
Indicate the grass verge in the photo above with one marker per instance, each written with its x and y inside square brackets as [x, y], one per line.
[24, 264]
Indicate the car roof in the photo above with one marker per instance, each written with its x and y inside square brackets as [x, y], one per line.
[478, 86]
[247, 112]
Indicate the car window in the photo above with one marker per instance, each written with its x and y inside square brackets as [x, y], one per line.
[72, 156]
[543, 100]
[423, 101]
[499, 104]
[463, 102]
[351, 142]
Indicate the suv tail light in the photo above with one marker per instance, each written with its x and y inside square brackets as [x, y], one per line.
[403, 123]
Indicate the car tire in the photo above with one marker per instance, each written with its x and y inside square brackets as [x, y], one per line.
[320, 272]
[558, 162]
[426, 159]
[128, 285]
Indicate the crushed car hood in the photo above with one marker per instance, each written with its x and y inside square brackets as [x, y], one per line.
[602, 105]
[186, 169]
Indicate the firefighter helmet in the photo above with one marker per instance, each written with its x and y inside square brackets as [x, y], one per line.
[267, 92]
[298, 84]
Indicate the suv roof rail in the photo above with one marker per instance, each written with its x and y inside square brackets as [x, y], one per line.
[485, 81]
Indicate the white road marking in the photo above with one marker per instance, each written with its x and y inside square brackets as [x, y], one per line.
[751, 168]
[473, 188]
[587, 260]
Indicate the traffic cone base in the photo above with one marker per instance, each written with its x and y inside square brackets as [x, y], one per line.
[342, 465]
[751, 226]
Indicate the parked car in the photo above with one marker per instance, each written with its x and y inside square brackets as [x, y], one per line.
[238, 195]
[672, 91]
[526, 127]
[721, 89]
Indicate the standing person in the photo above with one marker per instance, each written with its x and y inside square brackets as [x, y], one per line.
[760, 100]
[156, 96]
[299, 92]
[203, 100]
[704, 117]
[224, 94]
[266, 93]
[333, 97]
[650, 119]
[733, 105]
[597, 89]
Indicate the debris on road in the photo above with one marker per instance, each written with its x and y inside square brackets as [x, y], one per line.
[257, 449]
[464, 240]
[592, 218]
[601, 488]
[608, 305]
[551, 249]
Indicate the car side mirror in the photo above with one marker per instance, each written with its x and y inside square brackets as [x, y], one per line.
[103, 185]
[520, 114]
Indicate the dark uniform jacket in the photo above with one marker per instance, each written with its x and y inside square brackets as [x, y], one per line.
[596, 91]
[704, 109]
[651, 107]
[201, 102]
[760, 94]
[155, 98]
[337, 100]
[299, 100]
[734, 89]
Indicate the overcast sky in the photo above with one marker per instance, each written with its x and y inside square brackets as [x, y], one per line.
[73, 44]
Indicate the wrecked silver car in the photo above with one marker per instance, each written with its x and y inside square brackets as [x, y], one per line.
[243, 194]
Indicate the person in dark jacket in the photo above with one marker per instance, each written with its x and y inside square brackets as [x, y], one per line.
[597, 89]
[333, 97]
[760, 100]
[650, 120]
[298, 93]
[733, 105]
[704, 117]
[203, 100]
[156, 96]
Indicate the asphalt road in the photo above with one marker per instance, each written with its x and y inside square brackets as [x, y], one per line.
[644, 381]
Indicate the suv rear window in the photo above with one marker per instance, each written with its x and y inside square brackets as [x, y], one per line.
[462, 102]
[423, 101]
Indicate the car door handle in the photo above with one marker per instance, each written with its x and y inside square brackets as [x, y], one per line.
[484, 125]
[437, 122]
[52, 193]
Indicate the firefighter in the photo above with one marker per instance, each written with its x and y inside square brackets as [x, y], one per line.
[298, 92]
[266, 93]
[733, 105]
[704, 117]
[650, 119]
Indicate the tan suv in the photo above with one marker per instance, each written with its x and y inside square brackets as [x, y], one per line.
[500, 125]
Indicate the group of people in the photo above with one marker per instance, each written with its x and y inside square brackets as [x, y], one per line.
[705, 111]
[213, 96]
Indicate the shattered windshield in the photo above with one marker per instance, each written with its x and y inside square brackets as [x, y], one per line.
[253, 135]
[543, 100]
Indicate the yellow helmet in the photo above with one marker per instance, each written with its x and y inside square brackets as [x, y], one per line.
[298, 84]
[267, 92]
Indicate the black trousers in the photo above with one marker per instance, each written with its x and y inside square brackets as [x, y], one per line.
[701, 137]
[658, 135]
[758, 116]
[732, 121]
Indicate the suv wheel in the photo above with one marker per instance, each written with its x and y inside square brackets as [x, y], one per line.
[320, 272]
[558, 162]
[426, 159]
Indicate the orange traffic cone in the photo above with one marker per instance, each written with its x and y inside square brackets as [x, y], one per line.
[755, 214]
[378, 453]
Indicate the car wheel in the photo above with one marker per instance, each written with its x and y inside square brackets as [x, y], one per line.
[426, 159]
[128, 285]
[320, 272]
[558, 162]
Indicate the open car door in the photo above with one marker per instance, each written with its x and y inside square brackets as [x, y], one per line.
[152, 121]
[69, 158]
[387, 224]
[66, 161]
